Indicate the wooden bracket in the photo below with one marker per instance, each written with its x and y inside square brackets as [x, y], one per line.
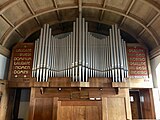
[41, 90]
[117, 90]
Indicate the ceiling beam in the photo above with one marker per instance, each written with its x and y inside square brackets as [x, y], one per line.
[152, 4]
[155, 52]
[102, 12]
[138, 21]
[12, 25]
[59, 17]
[31, 17]
[57, 12]
[84, 6]
[127, 12]
[32, 11]
[8, 5]
[151, 21]
[4, 51]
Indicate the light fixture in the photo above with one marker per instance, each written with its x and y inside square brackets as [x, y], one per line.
[141, 98]
[131, 99]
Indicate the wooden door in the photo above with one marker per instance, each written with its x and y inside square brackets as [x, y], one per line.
[43, 109]
[135, 105]
[114, 108]
[79, 110]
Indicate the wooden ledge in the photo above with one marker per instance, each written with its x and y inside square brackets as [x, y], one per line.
[133, 83]
[3, 82]
[60, 82]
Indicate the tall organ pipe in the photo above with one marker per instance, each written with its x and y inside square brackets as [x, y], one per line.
[86, 48]
[77, 53]
[83, 50]
[35, 59]
[117, 52]
[48, 55]
[112, 56]
[39, 56]
[80, 55]
[121, 55]
[126, 61]
[45, 46]
[74, 51]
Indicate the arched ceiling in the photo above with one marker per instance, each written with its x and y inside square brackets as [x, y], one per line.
[21, 18]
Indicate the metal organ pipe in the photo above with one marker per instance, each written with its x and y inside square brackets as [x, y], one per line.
[80, 55]
[35, 59]
[83, 50]
[39, 57]
[121, 56]
[112, 56]
[74, 50]
[117, 52]
[86, 50]
[126, 62]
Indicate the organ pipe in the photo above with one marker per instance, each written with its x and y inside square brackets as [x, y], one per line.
[80, 54]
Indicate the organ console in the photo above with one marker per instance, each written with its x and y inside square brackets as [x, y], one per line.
[80, 55]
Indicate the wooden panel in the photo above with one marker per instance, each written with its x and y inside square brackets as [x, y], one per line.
[135, 105]
[133, 83]
[4, 27]
[79, 110]
[41, 4]
[119, 4]
[43, 109]
[147, 105]
[143, 11]
[97, 2]
[116, 108]
[64, 113]
[17, 13]
[78, 113]
[90, 113]
[21, 62]
[137, 62]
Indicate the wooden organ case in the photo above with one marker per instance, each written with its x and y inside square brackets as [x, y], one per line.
[79, 76]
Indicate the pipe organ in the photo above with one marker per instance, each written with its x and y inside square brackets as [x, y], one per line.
[80, 72]
[80, 55]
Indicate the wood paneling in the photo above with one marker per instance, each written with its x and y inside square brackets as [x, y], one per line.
[74, 104]
[114, 108]
[6, 101]
[147, 105]
[58, 82]
[43, 109]
[79, 110]
[135, 105]
[133, 83]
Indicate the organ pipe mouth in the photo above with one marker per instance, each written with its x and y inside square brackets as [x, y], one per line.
[80, 54]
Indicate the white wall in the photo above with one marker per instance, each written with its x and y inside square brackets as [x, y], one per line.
[154, 64]
[155, 67]
[24, 104]
[156, 99]
[4, 64]
[23, 110]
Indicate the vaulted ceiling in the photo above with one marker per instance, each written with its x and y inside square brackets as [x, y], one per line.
[21, 18]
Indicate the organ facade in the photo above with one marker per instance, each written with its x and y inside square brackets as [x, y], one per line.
[80, 75]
